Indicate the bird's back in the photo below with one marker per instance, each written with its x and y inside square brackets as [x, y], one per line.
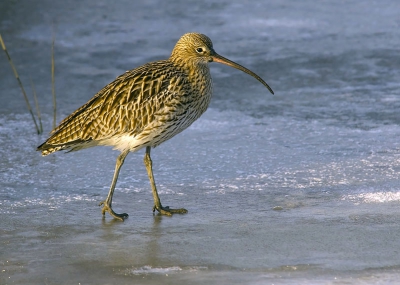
[143, 107]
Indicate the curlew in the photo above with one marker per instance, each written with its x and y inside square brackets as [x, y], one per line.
[144, 107]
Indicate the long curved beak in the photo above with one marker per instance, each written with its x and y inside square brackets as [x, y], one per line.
[218, 58]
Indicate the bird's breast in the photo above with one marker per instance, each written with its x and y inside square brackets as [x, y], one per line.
[201, 88]
[185, 100]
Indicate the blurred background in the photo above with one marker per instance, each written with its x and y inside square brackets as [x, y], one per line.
[297, 188]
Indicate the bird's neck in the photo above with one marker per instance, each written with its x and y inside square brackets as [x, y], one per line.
[196, 71]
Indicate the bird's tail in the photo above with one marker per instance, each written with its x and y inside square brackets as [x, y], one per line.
[47, 149]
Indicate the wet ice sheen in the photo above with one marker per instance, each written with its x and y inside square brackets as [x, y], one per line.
[297, 188]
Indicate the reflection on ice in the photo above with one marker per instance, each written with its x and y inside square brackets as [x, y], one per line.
[148, 269]
[297, 188]
[375, 197]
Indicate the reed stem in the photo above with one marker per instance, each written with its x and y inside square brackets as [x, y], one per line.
[53, 89]
[20, 83]
[37, 107]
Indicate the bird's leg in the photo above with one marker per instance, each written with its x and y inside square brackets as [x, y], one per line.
[107, 203]
[157, 203]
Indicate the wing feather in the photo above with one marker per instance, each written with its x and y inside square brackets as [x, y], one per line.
[125, 106]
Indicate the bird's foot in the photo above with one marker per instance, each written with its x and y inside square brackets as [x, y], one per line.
[167, 211]
[107, 208]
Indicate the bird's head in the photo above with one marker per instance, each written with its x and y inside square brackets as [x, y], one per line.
[193, 47]
[197, 49]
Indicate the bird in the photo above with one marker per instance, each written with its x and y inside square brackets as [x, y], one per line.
[143, 108]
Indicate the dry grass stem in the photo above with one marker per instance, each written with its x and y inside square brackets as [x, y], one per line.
[53, 89]
[20, 83]
[37, 107]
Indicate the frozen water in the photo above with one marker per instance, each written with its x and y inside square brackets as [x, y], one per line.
[297, 188]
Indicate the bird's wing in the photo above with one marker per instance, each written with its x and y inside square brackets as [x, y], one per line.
[124, 106]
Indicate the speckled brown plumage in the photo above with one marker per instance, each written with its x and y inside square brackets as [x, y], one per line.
[144, 107]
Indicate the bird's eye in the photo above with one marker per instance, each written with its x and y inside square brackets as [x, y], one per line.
[199, 50]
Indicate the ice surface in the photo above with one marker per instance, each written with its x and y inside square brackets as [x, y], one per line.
[297, 188]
